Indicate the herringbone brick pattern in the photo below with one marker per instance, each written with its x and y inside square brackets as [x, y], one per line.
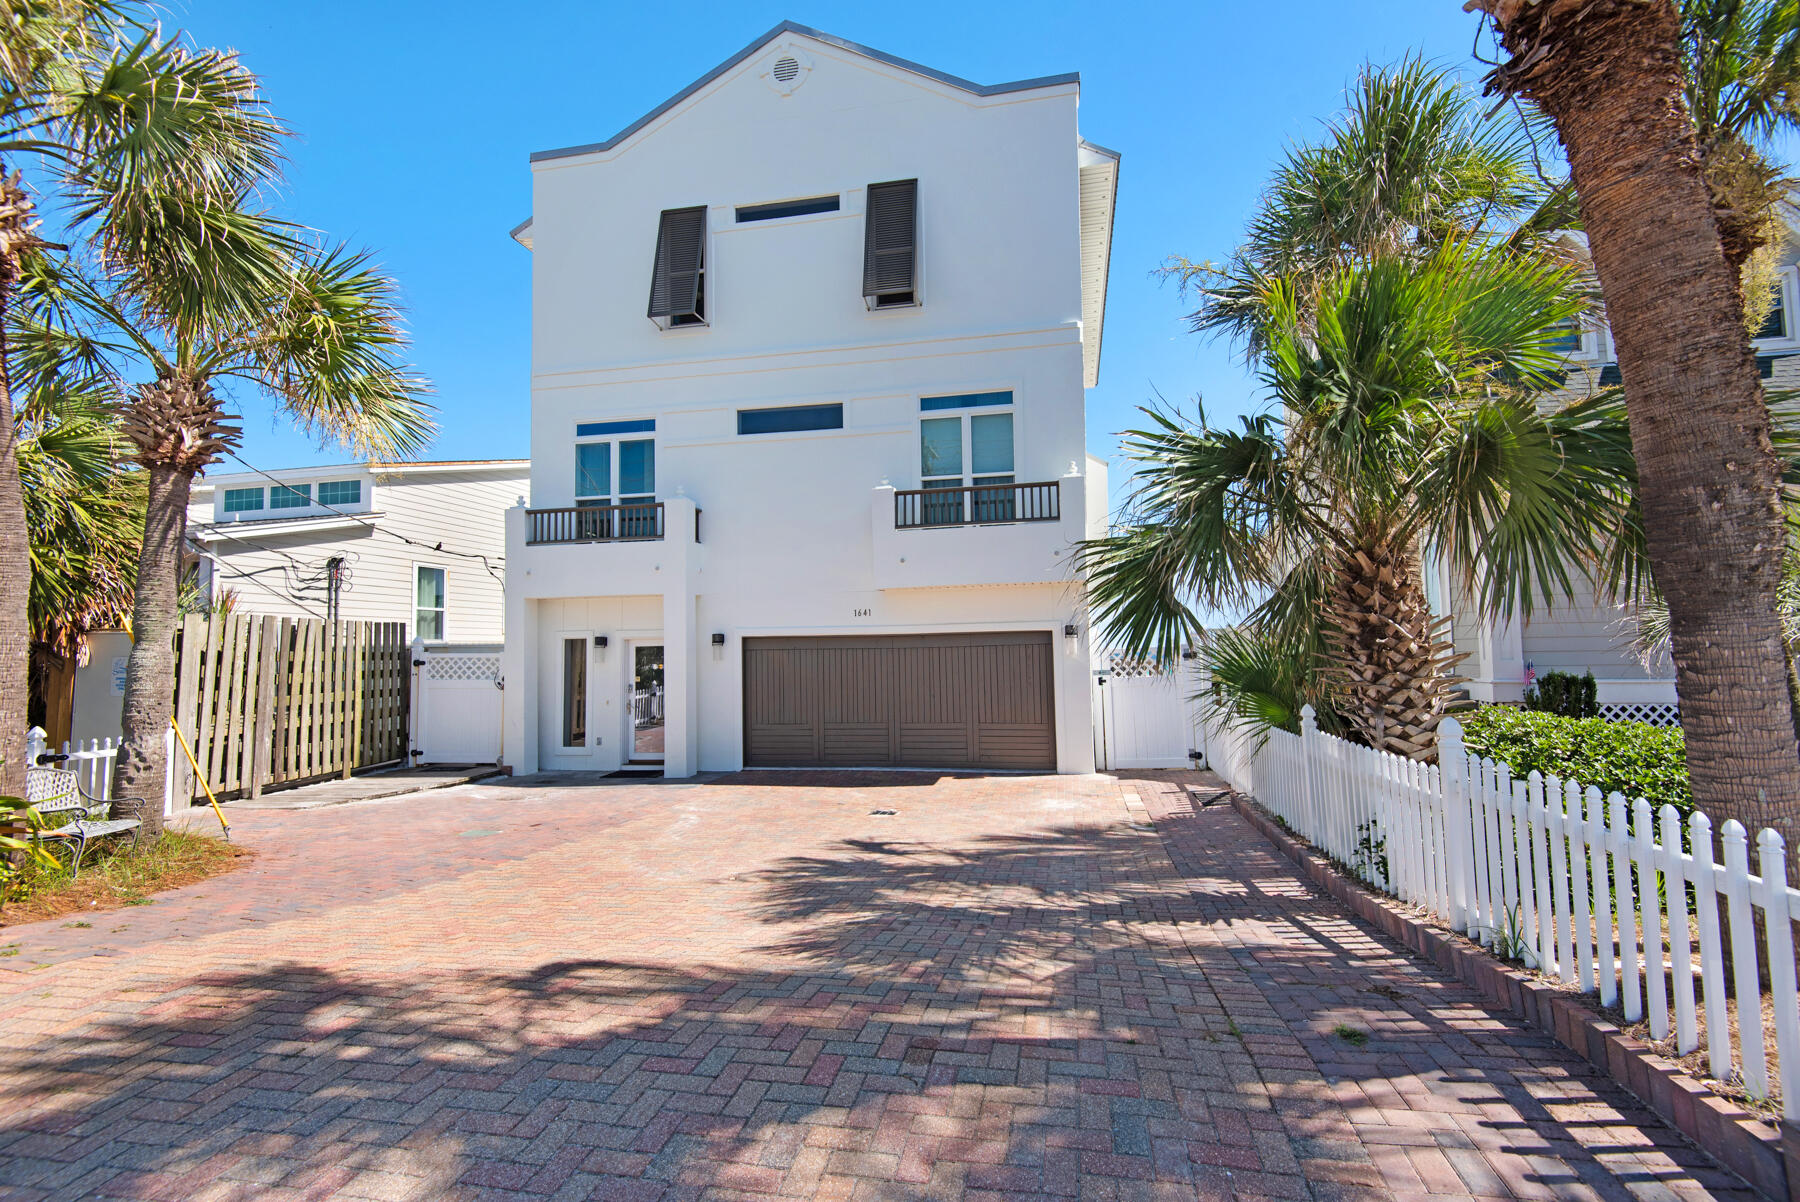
[757, 986]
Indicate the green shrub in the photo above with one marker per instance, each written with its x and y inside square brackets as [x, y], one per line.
[1565, 693]
[1633, 758]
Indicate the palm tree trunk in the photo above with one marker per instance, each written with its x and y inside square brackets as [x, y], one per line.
[1608, 73]
[16, 234]
[1392, 662]
[150, 672]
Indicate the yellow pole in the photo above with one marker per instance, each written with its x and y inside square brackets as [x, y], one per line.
[201, 777]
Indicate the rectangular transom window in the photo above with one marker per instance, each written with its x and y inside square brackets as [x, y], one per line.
[790, 418]
[290, 496]
[678, 277]
[243, 500]
[601, 429]
[891, 245]
[966, 400]
[429, 606]
[787, 208]
[340, 492]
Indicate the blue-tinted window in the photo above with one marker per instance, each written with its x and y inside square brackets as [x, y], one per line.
[790, 418]
[1775, 325]
[966, 400]
[637, 468]
[340, 492]
[787, 208]
[290, 496]
[243, 500]
[599, 429]
[593, 469]
[1568, 341]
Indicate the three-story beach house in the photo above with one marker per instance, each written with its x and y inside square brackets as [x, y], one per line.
[808, 466]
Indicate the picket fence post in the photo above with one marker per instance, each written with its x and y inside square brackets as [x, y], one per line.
[1453, 761]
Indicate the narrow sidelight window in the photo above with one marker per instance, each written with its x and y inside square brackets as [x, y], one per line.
[891, 245]
[574, 724]
[428, 615]
[678, 278]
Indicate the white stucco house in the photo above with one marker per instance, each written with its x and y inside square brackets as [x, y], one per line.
[422, 543]
[1585, 635]
[810, 343]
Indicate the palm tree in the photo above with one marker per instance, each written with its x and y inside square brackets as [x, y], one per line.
[1406, 418]
[323, 342]
[1610, 77]
[97, 102]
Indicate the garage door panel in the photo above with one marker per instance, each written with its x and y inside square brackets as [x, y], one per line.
[862, 743]
[949, 701]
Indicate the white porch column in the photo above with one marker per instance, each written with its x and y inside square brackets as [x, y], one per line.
[518, 662]
[681, 641]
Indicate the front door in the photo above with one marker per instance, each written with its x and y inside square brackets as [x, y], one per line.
[646, 703]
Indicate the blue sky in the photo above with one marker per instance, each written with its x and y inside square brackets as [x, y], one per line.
[414, 121]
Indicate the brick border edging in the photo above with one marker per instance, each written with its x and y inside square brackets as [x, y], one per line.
[1768, 1159]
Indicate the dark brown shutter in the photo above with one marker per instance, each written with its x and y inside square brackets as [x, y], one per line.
[890, 239]
[680, 252]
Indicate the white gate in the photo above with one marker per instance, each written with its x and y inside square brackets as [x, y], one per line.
[456, 718]
[1142, 716]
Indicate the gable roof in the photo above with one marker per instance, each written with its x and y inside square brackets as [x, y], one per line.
[792, 27]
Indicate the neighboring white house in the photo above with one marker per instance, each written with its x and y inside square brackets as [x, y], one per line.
[863, 277]
[1585, 635]
[419, 543]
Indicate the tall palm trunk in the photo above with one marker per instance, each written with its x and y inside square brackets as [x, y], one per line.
[1608, 73]
[1392, 661]
[178, 429]
[16, 235]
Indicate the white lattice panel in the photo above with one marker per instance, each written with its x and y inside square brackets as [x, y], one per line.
[462, 667]
[1127, 667]
[1656, 713]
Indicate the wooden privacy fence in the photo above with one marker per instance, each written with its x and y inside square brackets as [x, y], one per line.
[1601, 893]
[276, 701]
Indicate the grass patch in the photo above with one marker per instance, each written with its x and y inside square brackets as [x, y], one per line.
[1354, 1036]
[113, 875]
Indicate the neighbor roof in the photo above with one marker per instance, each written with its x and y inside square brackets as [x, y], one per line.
[792, 27]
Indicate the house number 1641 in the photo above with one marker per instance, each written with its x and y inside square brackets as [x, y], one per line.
[861, 613]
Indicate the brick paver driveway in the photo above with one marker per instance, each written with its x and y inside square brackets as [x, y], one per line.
[1019, 987]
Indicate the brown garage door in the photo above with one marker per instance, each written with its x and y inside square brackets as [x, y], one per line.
[930, 701]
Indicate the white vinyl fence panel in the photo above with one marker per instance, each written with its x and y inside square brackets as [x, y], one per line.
[92, 762]
[1593, 891]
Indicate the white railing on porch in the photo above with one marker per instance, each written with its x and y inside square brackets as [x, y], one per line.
[92, 762]
[1589, 890]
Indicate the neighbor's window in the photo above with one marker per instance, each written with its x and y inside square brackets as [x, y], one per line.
[290, 496]
[1776, 324]
[428, 617]
[340, 492]
[790, 418]
[574, 724]
[243, 500]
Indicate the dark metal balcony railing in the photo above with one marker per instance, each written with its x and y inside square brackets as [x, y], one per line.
[597, 524]
[977, 506]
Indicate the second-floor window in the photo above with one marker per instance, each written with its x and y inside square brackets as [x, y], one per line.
[290, 496]
[678, 276]
[243, 500]
[967, 450]
[428, 612]
[340, 492]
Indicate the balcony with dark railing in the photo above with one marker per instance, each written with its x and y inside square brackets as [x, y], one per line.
[637, 522]
[979, 505]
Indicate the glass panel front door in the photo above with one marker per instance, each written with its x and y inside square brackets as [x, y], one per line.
[646, 701]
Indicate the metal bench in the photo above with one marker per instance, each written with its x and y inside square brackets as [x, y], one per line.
[57, 791]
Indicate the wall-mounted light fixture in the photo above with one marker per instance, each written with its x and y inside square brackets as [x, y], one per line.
[600, 646]
[1071, 632]
[718, 639]
[718, 644]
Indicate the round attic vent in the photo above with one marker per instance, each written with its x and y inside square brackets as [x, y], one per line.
[787, 67]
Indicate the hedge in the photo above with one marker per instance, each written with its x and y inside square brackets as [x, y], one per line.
[1633, 758]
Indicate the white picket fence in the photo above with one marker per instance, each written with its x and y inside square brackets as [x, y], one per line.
[1585, 889]
[92, 762]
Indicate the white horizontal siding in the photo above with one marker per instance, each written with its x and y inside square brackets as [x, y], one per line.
[464, 513]
[1583, 635]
